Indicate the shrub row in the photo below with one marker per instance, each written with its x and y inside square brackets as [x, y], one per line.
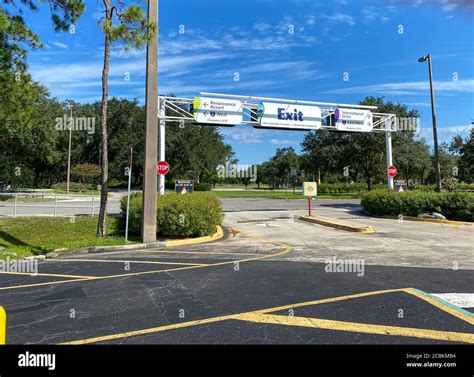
[453, 205]
[190, 215]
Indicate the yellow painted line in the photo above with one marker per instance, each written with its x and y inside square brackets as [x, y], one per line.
[287, 249]
[150, 330]
[46, 283]
[198, 252]
[125, 261]
[221, 318]
[327, 324]
[440, 305]
[331, 299]
[49, 275]
[3, 326]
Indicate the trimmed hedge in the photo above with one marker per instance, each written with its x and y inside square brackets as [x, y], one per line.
[203, 186]
[453, 205]
[189, 215]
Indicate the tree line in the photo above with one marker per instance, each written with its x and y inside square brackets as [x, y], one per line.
[345, 157]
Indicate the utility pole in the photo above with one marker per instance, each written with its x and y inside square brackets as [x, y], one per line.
[433, 116]
[151, 131]
[70, 124]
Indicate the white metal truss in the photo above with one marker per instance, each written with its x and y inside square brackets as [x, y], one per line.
[182, 108]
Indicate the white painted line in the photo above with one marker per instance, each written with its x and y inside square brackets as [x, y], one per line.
[462, 300]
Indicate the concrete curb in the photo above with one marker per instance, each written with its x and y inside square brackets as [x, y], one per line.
[185, 241]
[190, 241]
[421, 219]
[338, 224]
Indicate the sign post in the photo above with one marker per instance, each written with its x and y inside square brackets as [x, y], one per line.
[310, 189]
[129, 173]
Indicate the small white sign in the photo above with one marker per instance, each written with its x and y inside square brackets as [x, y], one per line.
[289, 116]
[353, 120]
[220, 111]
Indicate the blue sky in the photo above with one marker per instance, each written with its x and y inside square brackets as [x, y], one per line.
[377, 43]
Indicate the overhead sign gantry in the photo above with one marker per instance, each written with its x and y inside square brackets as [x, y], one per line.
[230, 110]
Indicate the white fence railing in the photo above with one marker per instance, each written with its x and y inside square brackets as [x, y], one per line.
[12, 204]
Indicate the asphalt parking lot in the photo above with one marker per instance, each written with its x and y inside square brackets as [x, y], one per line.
[260, 284]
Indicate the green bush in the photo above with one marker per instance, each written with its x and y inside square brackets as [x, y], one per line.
[203, 186]
[190, 215]
[453, 205]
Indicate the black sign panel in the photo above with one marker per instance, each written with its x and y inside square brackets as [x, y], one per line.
[184, 187]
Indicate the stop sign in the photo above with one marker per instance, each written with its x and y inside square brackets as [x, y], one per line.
[162, 167]
[392, 171]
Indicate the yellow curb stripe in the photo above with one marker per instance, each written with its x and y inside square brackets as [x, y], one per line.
[337, 225]
[441, 306]
[434, 221]
[190, 241]
[125, 261]
[32, 274]
[327, 324]
[3, 326]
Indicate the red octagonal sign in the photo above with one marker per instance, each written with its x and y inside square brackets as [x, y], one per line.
[162, 167]
[392, 171]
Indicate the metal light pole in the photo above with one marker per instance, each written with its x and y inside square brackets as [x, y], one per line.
[69, 151]
[151, 132]
[433, 115]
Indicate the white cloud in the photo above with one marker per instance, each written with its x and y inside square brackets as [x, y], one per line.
[370, 14]
[341, 18]
[410, 88]
[243, 135]
[60, 45]
[282, 141]
[262, 27]
[446, 5]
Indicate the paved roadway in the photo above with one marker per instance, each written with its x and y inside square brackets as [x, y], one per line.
[266, 282]
[83, 206]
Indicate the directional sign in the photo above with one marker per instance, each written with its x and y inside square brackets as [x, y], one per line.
[222, 111]
[353, 120]
[162, 168]
[184, 187]
[289, 116]
[392, 171]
